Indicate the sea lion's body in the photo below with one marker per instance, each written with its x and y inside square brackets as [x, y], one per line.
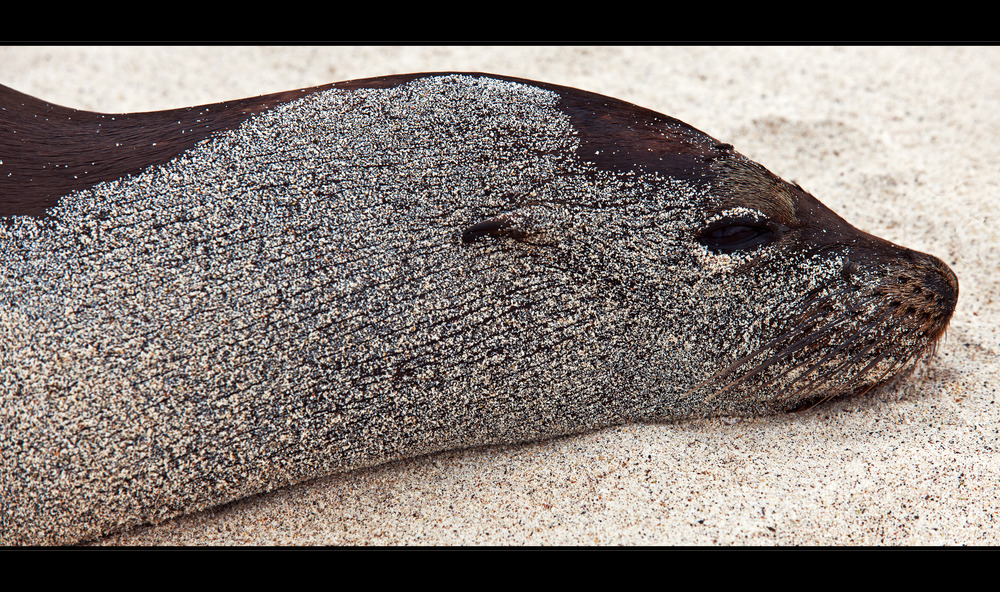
[312, 282]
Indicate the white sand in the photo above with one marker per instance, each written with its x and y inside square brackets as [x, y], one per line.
[902, 142]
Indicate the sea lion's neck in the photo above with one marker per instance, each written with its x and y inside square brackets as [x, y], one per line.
[47, 151]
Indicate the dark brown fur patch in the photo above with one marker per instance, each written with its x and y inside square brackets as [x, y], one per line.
[48, 151]
[743, 183]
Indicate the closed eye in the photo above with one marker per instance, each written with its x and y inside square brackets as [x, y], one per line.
[727, 236]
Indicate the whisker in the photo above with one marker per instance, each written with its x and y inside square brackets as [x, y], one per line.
[823, 377]
[799, 328]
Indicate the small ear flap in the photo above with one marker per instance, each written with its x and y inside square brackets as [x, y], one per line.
[527, 225]
[499, 227]
[531, 225]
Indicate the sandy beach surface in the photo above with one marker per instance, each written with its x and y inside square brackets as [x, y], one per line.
[900, 141]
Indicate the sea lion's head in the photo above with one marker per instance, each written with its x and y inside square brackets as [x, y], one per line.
[205, 303]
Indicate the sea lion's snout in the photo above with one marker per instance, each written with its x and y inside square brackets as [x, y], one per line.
[923, 291]
[943, 284]
[818, 308]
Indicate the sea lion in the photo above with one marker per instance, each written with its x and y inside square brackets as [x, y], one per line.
[201, 304]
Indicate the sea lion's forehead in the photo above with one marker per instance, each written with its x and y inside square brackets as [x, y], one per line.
[614, 135]
[619, 137]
